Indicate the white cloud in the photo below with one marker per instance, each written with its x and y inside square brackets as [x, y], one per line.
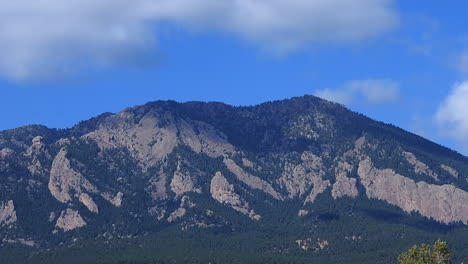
[46, 38]
[373, 91]
[336, 95]
[376, 91]
[452, 115]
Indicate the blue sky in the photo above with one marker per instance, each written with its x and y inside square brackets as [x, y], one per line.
[401, 62]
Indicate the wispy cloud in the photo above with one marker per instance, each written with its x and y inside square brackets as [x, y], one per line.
[373, 91]
[341, 96]
[43, 39]
[452, 115]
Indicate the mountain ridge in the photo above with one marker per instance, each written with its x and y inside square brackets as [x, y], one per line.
[219, 168]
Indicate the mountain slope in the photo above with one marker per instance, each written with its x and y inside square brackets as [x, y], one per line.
[313, 176]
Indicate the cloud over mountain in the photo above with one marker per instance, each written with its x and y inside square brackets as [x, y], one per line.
[45, 39]
[373, 91]
[452, 115]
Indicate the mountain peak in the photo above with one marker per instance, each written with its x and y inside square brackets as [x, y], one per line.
[220, 167]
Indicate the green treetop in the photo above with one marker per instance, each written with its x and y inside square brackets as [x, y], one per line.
[424, 254]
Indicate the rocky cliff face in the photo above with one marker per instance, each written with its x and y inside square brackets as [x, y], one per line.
[70, 220]
[444, 203]
[224, 192]
[166, 163]
[7, 213]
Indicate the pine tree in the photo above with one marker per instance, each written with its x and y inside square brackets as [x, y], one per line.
[424, 254]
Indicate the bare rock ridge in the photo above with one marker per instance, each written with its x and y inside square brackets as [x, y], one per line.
[185, 204]
[182, 182]
[450, 170]
[298, 179]
[65, 182]
[344, 186]
[253, 181]
[148, 142]
[419, 167]
[224, 192]
[34, 151]
[88, 202]
[7, 213]
[444, 203]
[70, 220]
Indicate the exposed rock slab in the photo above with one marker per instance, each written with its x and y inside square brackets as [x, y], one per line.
[36, 149]
[155, 135]
[319, 186]
[444, 203]
[206, 139]
[70, 220]
[7, 213]
[224, 193]
[419, 167]
[89, 203]
[450, 170]
[146, 140]
[252, 181]
[298, 179]
[64, 181]
[344, 186]
[182, 182]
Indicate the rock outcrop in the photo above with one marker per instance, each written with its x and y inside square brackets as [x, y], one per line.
[70, 220]
[7, 213]
[450, 170]
[5, 153]
[309, 244]
[319, 186]
[205, 140]
[177, 214]
[419, 167]
[224, 193]
[344, 186]
[65, 182]
[303, 213]
[252, 181]
[299, 178]
[33, 152]
[89, 203]
[155, 135]
[182, 182]
[115, 200]
[444, 203]
[146, 140]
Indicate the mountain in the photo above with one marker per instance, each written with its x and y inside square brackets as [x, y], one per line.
[291, 181]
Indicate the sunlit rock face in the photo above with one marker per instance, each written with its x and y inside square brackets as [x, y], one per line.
[444, 203]
[70, 220]
[223, 192]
